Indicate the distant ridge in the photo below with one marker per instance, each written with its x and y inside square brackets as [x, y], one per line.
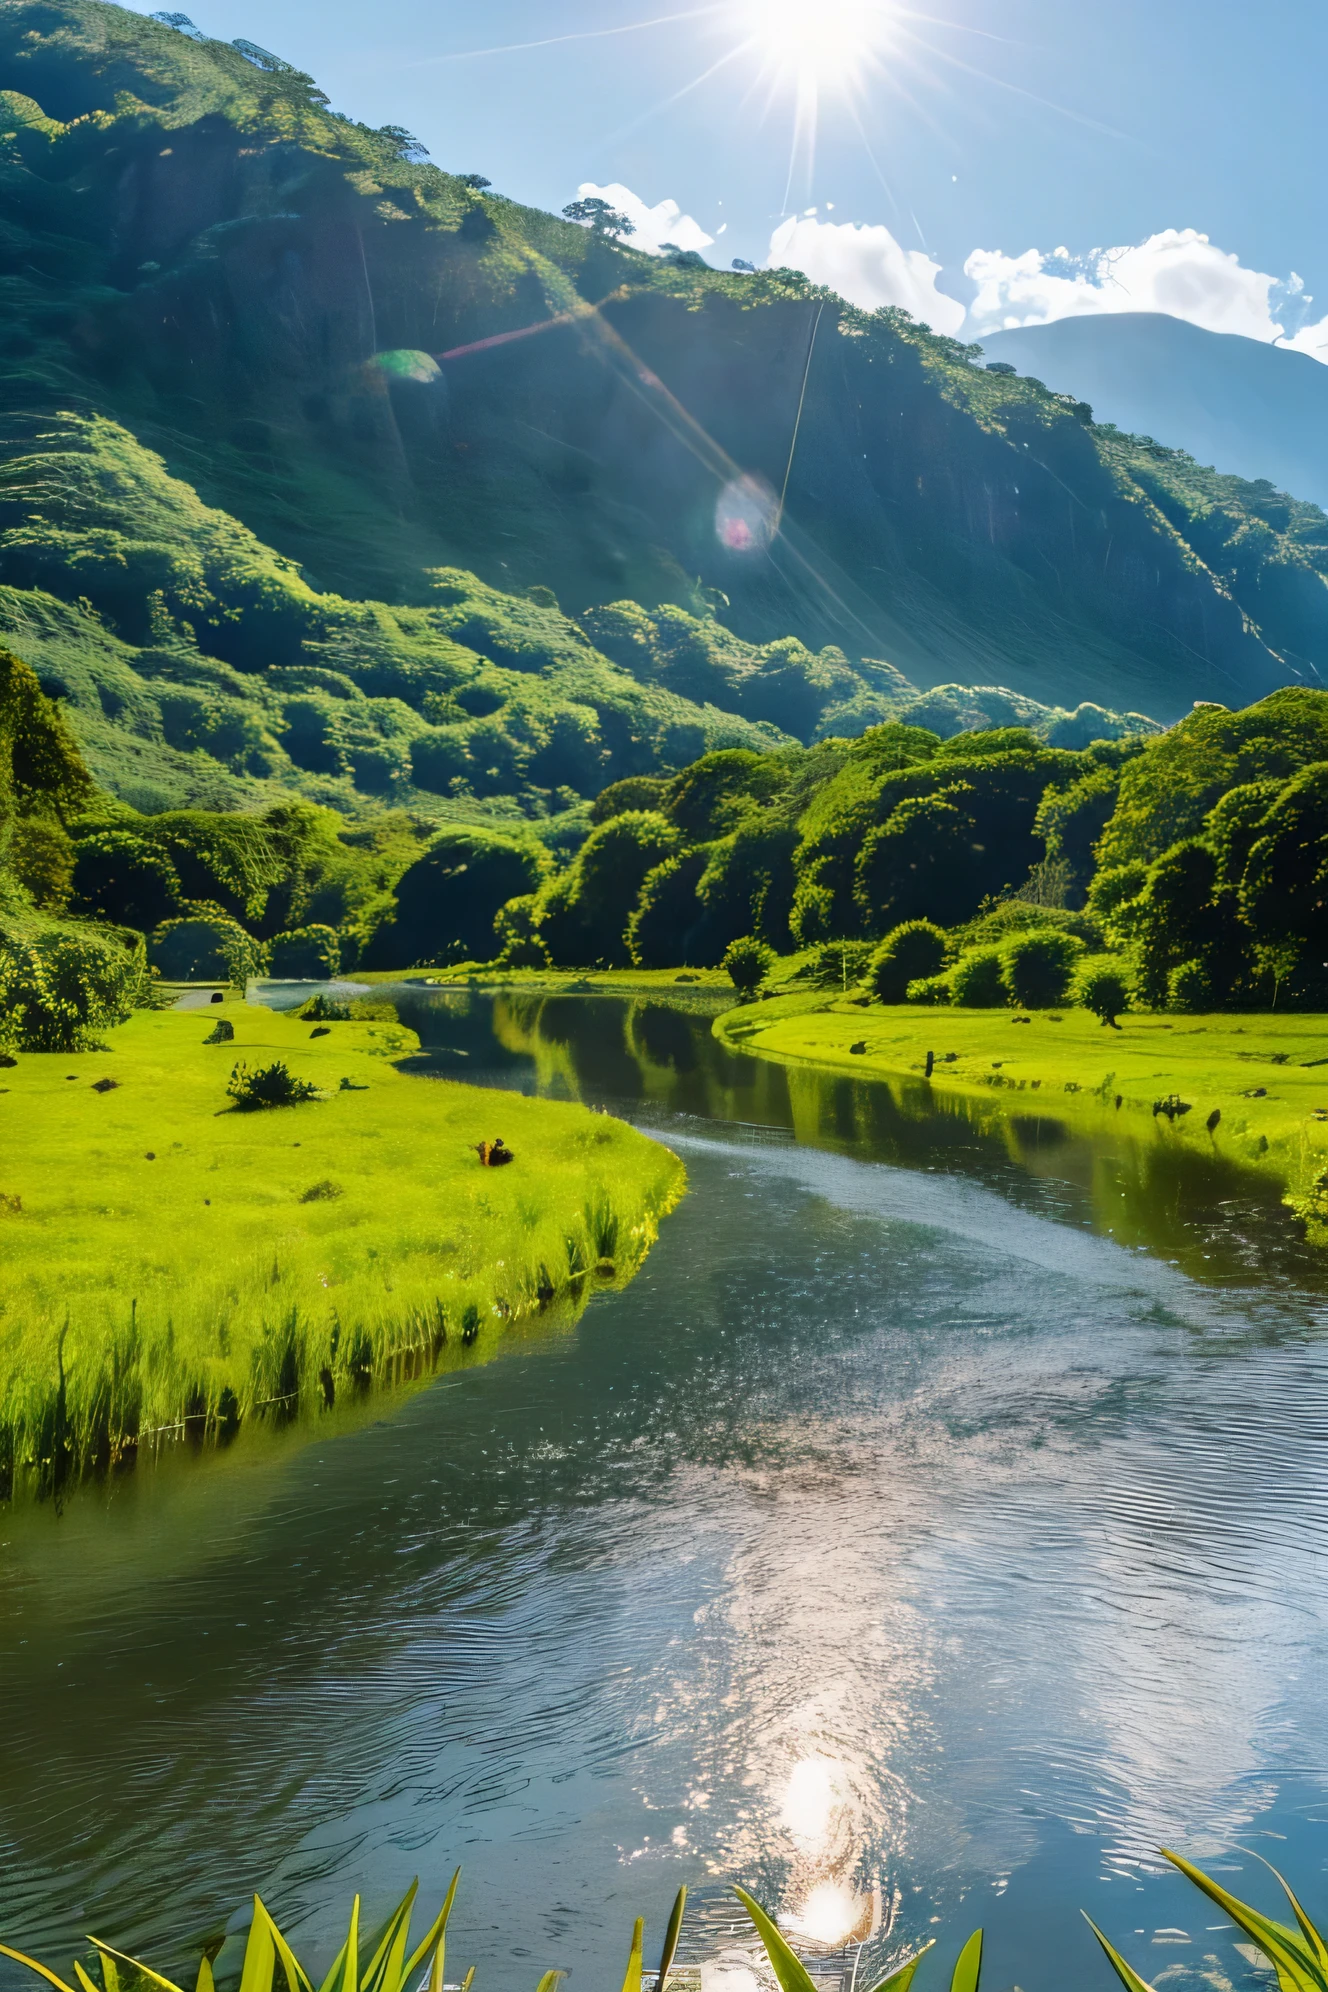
[1259, 411]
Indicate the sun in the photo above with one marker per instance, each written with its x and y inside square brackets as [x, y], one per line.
[823, 41]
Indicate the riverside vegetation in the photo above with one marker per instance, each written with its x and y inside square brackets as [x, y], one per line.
[172, 1262]
[379, 1961]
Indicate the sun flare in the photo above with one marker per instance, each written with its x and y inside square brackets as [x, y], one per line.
[828, 40]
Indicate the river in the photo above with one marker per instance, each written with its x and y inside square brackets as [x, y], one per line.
[934, 1528]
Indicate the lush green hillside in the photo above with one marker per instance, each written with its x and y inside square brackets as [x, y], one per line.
[305, 441]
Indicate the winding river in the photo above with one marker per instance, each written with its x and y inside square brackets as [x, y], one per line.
[935, 1527]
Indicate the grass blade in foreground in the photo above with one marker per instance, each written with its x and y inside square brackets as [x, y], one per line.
[789, 1969]
[1298, 1965]
[965, 1978]
[791, 1972]
[671, 1936]
[1126, 1973]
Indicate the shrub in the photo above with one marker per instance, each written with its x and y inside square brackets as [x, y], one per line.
[1038, 967]
[205, 948]
[1103, 988]
[307, 954]
[519, 946]
[748, 962]
[59, 987]
[267, 1086]
[41, 857]
[914, 950]
[1190, 988]
[929, 989]
[836, 964]
[322, 1009]
[976, 980]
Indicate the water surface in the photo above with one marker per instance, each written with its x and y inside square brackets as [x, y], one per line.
[937, 1522]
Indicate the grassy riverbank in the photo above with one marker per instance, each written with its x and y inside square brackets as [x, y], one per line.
[560, 982]
[1264, 1078]
[168, 1262]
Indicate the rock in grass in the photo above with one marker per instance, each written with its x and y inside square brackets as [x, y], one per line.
[858, 1048]
[1213, 1119]
[104, 1085]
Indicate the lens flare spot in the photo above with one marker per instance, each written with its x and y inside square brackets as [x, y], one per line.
[406, 364]
[746, 515]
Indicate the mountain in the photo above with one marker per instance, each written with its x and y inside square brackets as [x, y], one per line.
[324, 469]
[1260, 411]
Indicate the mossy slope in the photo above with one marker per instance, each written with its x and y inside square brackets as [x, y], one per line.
[308, 322]
[166, 1260]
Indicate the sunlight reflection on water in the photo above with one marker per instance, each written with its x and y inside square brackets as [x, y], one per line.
[886, 1545]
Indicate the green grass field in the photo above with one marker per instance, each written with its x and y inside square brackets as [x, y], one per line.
[1264, 1077]
[169, 1263]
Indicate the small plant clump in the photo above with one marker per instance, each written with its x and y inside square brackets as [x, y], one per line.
[274, 1085]
[323, 1009]
[1104, 989]
[748, 962]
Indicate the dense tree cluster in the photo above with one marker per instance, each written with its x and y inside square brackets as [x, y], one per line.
[1185, 871]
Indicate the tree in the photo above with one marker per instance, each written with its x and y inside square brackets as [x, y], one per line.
[741, 263]
[449, 898]
[212, 949]
[40, 765]
[1183, 915]
[599, 217]
[748, 962]
[1284, 890]
[913, 951]
[1038, 967]
[1103, 988]
[668, 928]
[475, 180]
[1071, 820]
[307, 954]
[122, 877]
[920, 863]
[404, 143]
[584, 913]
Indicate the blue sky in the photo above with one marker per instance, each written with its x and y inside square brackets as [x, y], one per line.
[976, 132]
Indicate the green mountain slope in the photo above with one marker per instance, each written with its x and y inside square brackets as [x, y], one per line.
[303, 441]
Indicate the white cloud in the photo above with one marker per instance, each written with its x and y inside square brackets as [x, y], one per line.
[1177, 271]
[867, 266]
[655, 226]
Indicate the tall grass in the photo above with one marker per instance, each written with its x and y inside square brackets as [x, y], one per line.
[384, 1962]
[170, 1267]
